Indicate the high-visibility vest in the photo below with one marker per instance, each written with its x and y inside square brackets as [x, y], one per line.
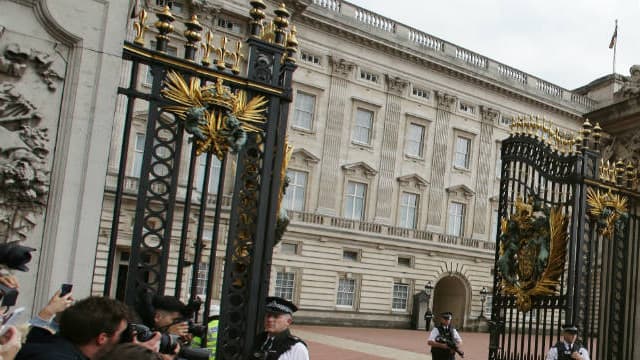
[212, 338]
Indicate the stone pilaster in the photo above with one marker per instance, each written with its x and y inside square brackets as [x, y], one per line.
[330, 166]
[439, 161]
[483, 178]
[389, 150]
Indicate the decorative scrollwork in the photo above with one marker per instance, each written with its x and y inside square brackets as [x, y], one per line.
[217, 118]
[533, 244]
[609, 210]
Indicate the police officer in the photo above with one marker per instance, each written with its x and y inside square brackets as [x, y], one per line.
[444, 339]
[212, 337]
[276, 342]
[569, 348]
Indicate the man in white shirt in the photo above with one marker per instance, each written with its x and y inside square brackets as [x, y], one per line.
[569, 348]
[276, 342]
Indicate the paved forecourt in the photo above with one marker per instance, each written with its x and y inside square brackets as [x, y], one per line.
[349, 343]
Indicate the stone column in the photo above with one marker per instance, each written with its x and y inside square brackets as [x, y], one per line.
[389, 150]
[439, 161]
[330, 166]
[483, 178]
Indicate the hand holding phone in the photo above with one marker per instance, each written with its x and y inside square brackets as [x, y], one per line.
[65, 289]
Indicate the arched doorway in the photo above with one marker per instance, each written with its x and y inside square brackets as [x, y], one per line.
[450, 295]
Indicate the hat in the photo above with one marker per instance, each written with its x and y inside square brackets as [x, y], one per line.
[446, 315]
[571, 329]
[278, 305]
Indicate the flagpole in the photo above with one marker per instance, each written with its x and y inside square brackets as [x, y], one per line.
[615, 47]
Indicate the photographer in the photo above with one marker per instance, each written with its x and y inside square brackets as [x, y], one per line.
[169, 316]
[569, 348]
[87, 329]
[444, 339]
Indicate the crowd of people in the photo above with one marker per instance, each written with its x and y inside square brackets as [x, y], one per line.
[101, 328]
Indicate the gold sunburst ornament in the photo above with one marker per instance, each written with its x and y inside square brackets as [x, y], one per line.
[533, 248]
[609, 210]
[217, 118]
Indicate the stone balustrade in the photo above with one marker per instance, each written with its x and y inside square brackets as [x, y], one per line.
[302, 218]
[471, 58]
[426, 40]
[375, 20]
[412, 38]
[357, 226]
[512, 74]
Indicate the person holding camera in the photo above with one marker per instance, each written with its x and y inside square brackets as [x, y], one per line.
[569, 348]
[169, 316]
[444, 339]
[276, 342]
[87, 329]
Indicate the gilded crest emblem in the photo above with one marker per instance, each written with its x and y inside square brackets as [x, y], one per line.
[218, 119]
[533, 247]
[609, 210]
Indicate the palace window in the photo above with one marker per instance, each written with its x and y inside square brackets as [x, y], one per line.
[414, 144]
[304, 110]
[368, 76]
[408, 210]
[285, 285]
[494, 225]
[363, 127]
[456, 219]
[346, 292]
[400, 297]
[466, 108]
[214, 174]
[354, 200]
[138, 153]
[463, 153]
[309, 58]
[294, 197]
[421, 93]
[229, 25]
[201, 279]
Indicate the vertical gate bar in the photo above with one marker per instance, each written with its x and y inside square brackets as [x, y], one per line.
[631, 236]
[168, 231]
[134, 277]
[184, 232]
[268, 202]
[597, 269]
[278, 161]
[122, 166]
[214, 245]
[202, 212]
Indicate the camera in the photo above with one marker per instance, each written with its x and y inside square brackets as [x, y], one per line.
[168, 342]
[15, 256]
[196, 329]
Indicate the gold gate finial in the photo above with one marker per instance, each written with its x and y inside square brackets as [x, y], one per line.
[140, 27]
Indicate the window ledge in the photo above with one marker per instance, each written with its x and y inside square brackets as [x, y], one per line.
[414, 158]
[461, 169]
[362, 146]
[302, 130]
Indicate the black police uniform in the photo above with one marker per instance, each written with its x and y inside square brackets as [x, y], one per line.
[271, 347]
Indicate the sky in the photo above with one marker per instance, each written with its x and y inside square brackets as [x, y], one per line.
[565, 42]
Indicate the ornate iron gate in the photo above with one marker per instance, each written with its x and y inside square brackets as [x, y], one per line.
[196, 117]
[567, 246]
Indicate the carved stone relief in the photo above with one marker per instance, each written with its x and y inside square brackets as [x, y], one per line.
[24, 143]
[632, 87]
[626, 148]
[15, 60]
[341, 66]
[445, 100]
[396, 84]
